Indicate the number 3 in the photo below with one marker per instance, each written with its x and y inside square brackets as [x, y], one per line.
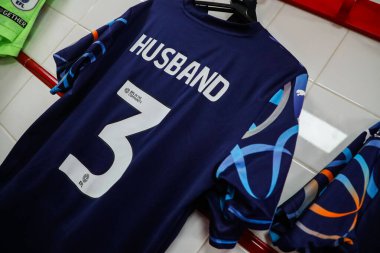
[152, 113]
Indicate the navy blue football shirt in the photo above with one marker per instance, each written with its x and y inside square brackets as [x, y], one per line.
[163, 106]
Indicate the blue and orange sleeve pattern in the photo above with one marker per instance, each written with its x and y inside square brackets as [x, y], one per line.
[325, 213]
[73, 59]
[250, 179]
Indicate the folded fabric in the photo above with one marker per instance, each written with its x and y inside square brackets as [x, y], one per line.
[16, 20]
[339, 209]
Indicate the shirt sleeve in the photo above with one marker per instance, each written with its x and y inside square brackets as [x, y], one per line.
[325, 212]
[251, 178]
[71, 61]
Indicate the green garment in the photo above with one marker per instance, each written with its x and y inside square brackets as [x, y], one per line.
[16, 20]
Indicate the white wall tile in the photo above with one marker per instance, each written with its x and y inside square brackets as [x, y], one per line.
[192, 236]
[48, 31]
[104, 11]
[26, 107]
[207, 248]
[335, 116]
[354, 71]
[12, 77]
[6, 143]
[77, 33]
[266, 10]
[73, 9]
[310, 38]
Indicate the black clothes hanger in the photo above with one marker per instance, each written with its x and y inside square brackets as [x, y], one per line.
[244, 11]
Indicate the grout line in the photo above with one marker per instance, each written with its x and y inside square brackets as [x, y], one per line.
[89, 10]
[71, 19]
[46, 7]
[59, 43]
[203, 244]
[78, 24]
[307, 167]
[275, 16]
[22, 86]
[8, 133]
[75, 21]
[332, 54]
[54, 49]
[347, 99]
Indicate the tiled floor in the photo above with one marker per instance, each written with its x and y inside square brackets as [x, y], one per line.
[342, 97]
